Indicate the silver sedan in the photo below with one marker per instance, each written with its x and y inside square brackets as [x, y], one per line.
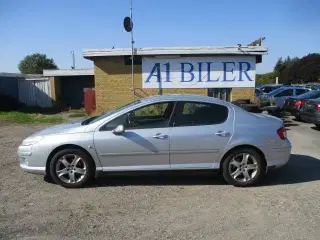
[169, 132]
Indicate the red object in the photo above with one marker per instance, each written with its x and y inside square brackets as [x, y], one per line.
[318, 108]
[298, 103]
[282, 133]
[90, 101]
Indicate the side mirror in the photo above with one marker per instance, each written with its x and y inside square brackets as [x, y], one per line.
[118, 130]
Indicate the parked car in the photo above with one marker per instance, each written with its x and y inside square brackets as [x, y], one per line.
[278, 96]
[258, 92]
[294, 104]
[168, 132]
[269, 88]
[310, 112]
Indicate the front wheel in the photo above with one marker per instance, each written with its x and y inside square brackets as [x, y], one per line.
[71, 168]
[243, 167]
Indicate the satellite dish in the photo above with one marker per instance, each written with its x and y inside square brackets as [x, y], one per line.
[127, 24]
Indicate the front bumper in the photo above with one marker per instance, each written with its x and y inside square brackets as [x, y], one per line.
[26, 159]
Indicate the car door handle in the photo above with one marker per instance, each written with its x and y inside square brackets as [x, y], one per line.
[223, 134]
[160, 136]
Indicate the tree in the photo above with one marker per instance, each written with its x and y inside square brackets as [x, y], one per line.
[35, 63]
[279, 66]
[267, 78]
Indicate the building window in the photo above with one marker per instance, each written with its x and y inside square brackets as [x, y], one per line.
[220, 93]
[137, 60]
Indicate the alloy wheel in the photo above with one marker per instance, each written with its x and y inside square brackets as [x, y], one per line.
[243, 167]
[71, 168]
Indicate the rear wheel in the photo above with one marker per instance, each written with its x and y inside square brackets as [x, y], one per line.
[318, 126]
[243, 167]
[71, 168]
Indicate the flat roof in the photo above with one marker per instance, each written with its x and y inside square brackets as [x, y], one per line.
[231, 50]
[67, 72]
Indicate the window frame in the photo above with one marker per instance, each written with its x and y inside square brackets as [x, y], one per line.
[179, 111]
[301, 89]
[288, 89]
[101, 129]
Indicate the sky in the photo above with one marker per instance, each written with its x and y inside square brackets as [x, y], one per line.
[291, 27]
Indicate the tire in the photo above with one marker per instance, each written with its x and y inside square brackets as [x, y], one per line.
[72, 162]
[318, 126]
[241, 179]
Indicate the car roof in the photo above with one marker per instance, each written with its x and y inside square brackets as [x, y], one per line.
[182, 97]
[292, 87]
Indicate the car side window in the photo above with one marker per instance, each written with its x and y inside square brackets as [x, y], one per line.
[151, 116]
[285, 93]
[301, 91]
[195, 114]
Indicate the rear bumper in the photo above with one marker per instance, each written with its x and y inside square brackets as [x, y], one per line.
[310, 117]
[277, 156]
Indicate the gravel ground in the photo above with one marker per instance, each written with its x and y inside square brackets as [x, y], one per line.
[286, 206]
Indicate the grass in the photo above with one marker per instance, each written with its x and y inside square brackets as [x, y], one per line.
[76, 115]
[20, 117]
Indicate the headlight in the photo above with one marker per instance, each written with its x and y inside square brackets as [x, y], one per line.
[31, 140]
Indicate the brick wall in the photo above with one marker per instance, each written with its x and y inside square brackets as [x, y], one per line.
[113, 85]
[242, 93]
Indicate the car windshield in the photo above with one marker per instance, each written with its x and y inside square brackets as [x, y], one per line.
[310, 95]
[107, 114]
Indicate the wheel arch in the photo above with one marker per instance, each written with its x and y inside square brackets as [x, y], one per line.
[62, 147]
[258, 150]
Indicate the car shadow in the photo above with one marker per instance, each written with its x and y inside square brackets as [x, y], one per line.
[299, 169]
[164, 178]
[315, 128]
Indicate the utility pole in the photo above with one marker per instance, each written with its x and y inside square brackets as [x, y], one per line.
[132, 53]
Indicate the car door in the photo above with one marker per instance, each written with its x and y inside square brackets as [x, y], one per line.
[200, 133]
[144, 144]
[281, 97]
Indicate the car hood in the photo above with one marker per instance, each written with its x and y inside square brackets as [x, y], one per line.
[71, 127]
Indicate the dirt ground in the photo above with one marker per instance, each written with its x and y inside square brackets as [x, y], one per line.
[184, 206]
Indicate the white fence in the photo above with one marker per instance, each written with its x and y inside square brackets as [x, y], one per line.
[35, 92]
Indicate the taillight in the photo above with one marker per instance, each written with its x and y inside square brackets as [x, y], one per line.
[318, 107]
[298, 103]
[282, 133]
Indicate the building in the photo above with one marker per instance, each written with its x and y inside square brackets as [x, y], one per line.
[224, 72]
[68, 86]
[29, 89]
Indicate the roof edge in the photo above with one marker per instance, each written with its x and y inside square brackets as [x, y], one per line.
[67, 72]
[228, 50]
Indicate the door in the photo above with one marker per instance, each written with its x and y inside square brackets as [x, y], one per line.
[144, 144]
[281, 97]
[200, 133]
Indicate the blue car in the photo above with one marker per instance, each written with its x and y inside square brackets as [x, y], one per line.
[279, 96]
